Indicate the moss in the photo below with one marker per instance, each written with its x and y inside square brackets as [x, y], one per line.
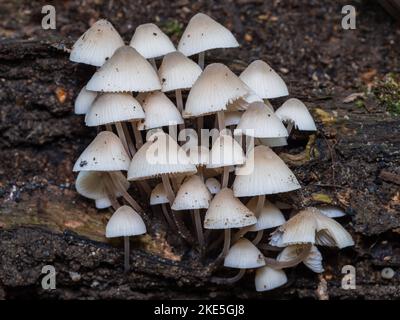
[387, 91]
[173, 28]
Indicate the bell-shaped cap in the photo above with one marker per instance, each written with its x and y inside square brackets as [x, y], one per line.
[243, 103]
[268, 279]
[125, 71]
[203, 33]
[104, 153]
[311, 226]
[226, 211]
[97, 44]
[216, 87]
[113, 107]
[263, 173]
[272, 142]
[270, 216]
[244, 255]
[102, 203]
[125, 222]
[159, 111]
[332, 211]
[232, 118]
[226, 151]
[313, 261]
[296, 111]
[178, 72]
[158, 195]
[264, 81]
[92, 184]
[193, 194]
[213, 185]
[84, 101]
[260, 122]
[151, 42]
[159, 155]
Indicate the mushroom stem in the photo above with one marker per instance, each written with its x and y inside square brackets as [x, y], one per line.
[199, 230]
[201, 59]
[179, 100]
[111, 195]
[124, 193]
[291, 263]
[221, 120]
[200, 124]
[109, 127]
[227, 244]
[167, 216]
[153, 63]
[258, 237]
[231, 280]
[131, 146]
[138, 135]
[225, 177]
[200, 172]
[173, 131]
[121, 135]
[260, 205]
[240, 233]
[126, 257]
[168, 188]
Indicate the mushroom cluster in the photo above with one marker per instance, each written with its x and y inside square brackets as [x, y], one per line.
[223, 185]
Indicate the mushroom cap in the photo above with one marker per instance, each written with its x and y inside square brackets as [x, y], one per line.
[332, 211]
[97, 44]
[296, 111]
[260, 122]
[151, 42]
[242, 103]
[264, 81]
[193, 194]
[178, 72]
[271, 142]
[159, 155]
[92, 184]
[244, 255]
[158, 195]
[125, 71]
[263, 173]
[268, 279]
[313, 261]
[270, 216]
[104, 153]
[102, 203]
[213, 185]
[232, 118]
[125, 222]
[84, 101]
[311, 226]
[198, 155]
[225, 152]
[203, 33]
[113, 107]
[159, 111]
[226, 211]
[216, 87]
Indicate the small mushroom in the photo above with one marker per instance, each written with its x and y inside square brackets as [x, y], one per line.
[268, 278]
[193, 195]
[296, 113]
[264, 81]
[125, 222]
[203, 33]
[97, 44]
